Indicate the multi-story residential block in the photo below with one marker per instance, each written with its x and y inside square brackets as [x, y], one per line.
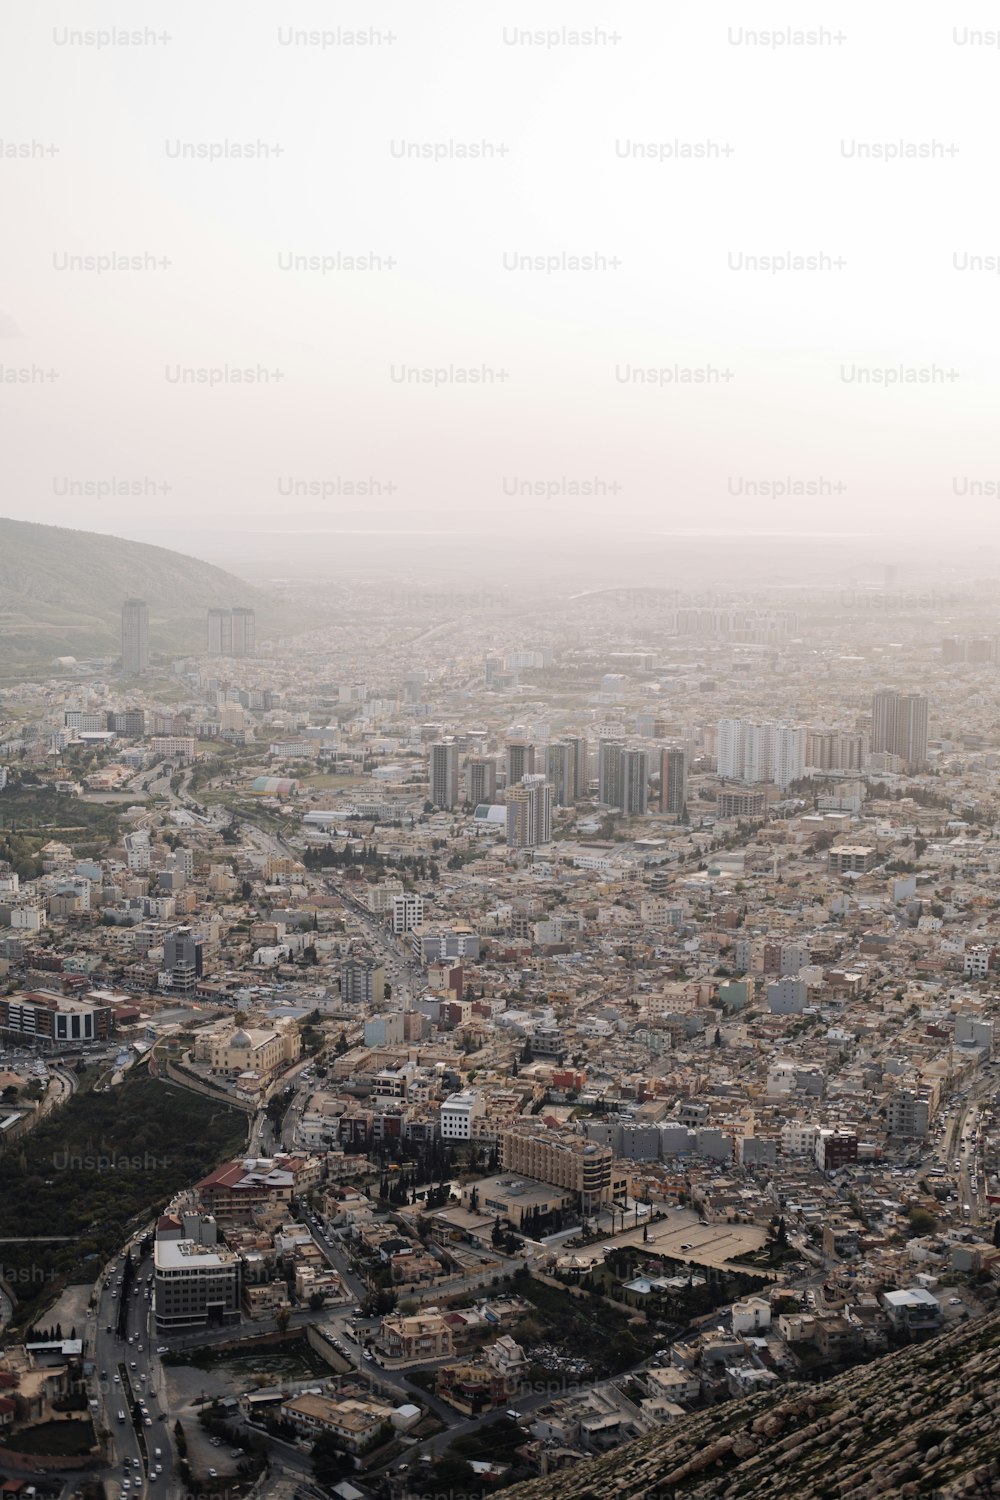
[908, 1113]
[177, 747]
[442, 772]
[561, 1159]
[407, 912]
[767, 752]
[196, 1279]
[519, 761]
[529, 813]
[741, 802]
[633, 797]
[899, 726]
[852, 859]
[183, 960]
[480, 780]
[235, 1192]
[457, 1114]
[835, 1148]
[362, 981]
[673, 781]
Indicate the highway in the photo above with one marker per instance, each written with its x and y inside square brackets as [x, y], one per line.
[958, 1151]
[127, 1371]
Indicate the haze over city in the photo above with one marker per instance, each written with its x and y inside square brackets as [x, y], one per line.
[499, 752]
[784, 272]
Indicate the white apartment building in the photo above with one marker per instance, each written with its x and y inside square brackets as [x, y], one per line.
[379, 898]
[457, 1114]
[798, 1138]
[174, 747]
[976, 962]
[407, 912]
[757, 753]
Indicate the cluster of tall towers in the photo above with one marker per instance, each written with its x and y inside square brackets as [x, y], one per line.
[231, 632]
[540, 778]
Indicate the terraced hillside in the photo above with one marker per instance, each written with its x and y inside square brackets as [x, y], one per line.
[922, 1421]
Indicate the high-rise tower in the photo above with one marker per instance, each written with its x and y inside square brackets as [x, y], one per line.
[135, 637]
[529, 813]
[443, 773]
[673, 781]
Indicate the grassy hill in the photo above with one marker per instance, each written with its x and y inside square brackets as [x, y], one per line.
[61, 593]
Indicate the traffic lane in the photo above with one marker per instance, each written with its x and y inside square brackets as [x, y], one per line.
[338, 1261]
[115, 1356]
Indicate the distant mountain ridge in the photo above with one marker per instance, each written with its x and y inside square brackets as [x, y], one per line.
[61, 593]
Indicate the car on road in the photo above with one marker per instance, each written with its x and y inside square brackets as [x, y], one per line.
[213, 1473]
[147, 1421]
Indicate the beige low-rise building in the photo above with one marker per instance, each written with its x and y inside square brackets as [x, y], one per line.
[425, 1335]
[355, 1423]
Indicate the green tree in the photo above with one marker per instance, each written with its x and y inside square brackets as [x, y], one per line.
[330, 1463]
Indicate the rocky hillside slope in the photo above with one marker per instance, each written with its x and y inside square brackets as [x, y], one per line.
[922, 1421]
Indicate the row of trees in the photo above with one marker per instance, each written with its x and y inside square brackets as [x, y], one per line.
[367, 857]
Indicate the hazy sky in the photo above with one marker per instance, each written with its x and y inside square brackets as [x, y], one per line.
[754, 376]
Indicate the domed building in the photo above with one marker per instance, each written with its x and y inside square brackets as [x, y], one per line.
[250, 1053]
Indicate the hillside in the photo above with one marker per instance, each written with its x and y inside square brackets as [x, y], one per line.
[923, 1421]
[61, 593]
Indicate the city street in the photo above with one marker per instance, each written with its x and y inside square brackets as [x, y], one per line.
[126, 1372]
